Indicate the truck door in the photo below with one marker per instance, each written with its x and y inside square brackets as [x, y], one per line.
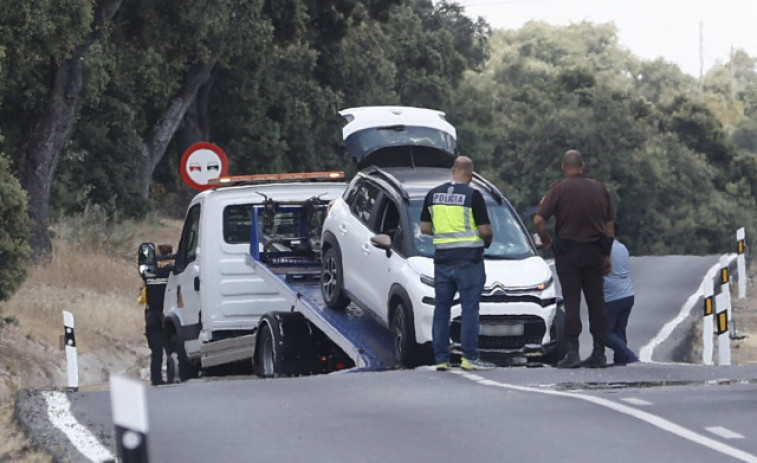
[182, 293]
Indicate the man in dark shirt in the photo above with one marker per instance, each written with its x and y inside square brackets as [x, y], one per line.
[455, 214]
[583, 239]
[155, 286]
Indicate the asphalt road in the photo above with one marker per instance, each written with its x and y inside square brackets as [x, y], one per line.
[643, 412]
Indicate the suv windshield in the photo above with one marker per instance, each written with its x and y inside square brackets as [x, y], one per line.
[510, 241]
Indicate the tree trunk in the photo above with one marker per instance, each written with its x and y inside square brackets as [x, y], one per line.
[52, 134]
[195, 126]
[151, 151]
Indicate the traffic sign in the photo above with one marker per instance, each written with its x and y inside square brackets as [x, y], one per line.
[202, 162]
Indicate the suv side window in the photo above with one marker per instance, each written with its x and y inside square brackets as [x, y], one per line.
[364, 201]
[389, 222]
[189, 237]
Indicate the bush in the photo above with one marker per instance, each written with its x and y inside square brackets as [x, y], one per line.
[14, 234]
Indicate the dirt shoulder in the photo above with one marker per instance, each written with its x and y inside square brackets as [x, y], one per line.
[100, 289]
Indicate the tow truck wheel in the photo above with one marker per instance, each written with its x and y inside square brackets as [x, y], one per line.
[175, 350]
[266, 366]
[332, 280]
[405, 349]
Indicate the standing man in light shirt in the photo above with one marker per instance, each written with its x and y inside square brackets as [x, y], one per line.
[619, 300]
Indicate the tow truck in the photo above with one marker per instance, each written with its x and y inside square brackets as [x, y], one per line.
[245, 286]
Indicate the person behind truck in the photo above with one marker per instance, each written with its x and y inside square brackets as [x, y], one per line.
[152, 294]
[619, 299]
[455, 214]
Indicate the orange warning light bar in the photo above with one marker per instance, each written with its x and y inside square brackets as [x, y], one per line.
[263, 178]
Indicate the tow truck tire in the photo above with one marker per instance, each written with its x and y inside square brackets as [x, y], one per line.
[267, 365]
[406, 352]
[187, 370]
[332, 280]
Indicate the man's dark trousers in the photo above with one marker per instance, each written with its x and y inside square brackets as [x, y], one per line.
[154, 334]
[579, 269]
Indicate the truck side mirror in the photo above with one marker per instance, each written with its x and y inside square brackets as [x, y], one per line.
[146, 260]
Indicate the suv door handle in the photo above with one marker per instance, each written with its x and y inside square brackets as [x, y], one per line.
[343, 228]
[366, 248]
[197, 283]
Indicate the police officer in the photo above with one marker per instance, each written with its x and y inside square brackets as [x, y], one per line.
[583, 239]
[154, 291]
[455, 214]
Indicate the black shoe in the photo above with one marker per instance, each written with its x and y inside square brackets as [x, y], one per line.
[595, 360]
[571, 360]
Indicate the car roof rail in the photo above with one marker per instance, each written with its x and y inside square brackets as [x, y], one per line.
[389, 178]
[493, 190]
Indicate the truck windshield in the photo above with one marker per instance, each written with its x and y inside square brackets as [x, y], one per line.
[510, 240]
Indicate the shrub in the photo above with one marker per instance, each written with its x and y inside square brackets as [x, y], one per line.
[14, 234]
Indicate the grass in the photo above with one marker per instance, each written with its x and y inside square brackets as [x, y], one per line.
[93, 275]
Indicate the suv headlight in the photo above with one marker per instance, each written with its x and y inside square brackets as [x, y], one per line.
[546, 284]
[427, 280]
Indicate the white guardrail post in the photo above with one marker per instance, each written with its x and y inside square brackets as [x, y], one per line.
[723, 306]
[129, 408]
[741, 262]
[69, 343]
[707, 327]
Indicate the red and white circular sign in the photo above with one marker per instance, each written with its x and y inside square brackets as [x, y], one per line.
[201, 162]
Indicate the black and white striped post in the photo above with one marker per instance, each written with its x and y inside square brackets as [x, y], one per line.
[741, 261]
[69, 342]
[129, 408]
[707, 327]
[723, 305]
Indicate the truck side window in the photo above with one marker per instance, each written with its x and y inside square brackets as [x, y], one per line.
[237, 221]
[189, 238]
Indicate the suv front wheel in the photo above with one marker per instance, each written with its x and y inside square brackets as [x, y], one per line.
[405, 348]
[332, 280]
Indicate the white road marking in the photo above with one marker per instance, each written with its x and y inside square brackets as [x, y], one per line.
[645, 353]
[59, 413]
[725, 433]
[654, 420]
[635, 401]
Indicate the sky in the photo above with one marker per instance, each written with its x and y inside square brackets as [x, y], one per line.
[648, 28]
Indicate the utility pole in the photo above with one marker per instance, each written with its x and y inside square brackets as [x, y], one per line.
[701, 55]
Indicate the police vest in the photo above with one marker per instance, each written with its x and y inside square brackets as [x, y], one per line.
[454, 225]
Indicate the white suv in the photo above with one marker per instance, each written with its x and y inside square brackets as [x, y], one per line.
[375, 255]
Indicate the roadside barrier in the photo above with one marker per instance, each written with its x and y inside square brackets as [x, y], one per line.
[69, 344]
[741, 261]
[718, 306]
[129, 409]
[707, 327]
[724, 319]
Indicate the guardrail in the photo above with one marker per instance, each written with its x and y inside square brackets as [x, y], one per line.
[717, 309]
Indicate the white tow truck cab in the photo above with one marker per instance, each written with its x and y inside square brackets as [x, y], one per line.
[229, 297]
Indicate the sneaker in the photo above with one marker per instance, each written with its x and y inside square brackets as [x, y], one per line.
[478, 364]
[442, 366]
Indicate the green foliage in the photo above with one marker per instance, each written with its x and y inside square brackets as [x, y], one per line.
[679, 159]
[14, 232]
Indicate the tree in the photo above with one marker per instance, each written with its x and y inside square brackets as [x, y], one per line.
[46, 47]
[14, 232]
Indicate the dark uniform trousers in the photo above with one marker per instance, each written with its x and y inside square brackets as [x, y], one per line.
[154, 334]
[581, 268]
